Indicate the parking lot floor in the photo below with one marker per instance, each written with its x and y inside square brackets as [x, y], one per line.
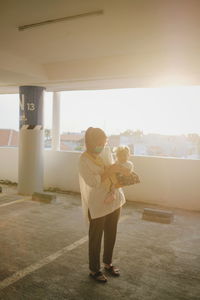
[44, 252]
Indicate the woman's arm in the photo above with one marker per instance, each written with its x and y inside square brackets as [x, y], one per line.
[93, 179]
[112, 169]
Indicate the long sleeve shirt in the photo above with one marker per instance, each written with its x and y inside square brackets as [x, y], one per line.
[94, 192]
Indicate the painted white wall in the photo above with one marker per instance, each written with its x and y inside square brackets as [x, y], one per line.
[165, 181]
[61, 170]
[9, 164]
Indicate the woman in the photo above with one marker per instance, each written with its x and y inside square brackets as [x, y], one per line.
[103, 215]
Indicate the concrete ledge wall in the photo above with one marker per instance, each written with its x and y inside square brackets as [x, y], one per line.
[165, 181]
[61, 170]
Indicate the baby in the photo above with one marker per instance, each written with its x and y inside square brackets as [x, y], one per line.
[126, 176]
[122, 156]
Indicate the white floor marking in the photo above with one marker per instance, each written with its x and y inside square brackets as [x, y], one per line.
[20, 274]
[16, 201]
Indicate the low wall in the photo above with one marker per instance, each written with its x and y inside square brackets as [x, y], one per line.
[9, 164]
[165, 181]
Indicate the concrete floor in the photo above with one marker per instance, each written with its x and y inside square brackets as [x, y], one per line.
[43, 253]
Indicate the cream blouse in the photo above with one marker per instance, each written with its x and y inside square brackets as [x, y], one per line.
[94, 192]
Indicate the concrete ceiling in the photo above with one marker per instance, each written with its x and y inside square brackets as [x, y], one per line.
[134, 43]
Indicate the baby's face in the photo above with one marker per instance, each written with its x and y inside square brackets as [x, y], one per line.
[122, 157]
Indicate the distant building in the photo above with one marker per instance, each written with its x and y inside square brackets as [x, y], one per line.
[158, 145]
[9, 138]
[72, 141]
[145, 144]
[114, 140]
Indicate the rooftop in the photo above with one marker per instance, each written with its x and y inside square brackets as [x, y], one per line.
[8, 137]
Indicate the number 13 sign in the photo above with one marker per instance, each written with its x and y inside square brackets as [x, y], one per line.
[31, 106]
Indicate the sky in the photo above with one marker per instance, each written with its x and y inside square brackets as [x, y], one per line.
[171, 111]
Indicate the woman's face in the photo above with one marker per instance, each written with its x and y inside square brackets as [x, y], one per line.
[99, 146]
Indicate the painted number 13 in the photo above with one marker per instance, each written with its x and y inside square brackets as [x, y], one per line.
[31, 106]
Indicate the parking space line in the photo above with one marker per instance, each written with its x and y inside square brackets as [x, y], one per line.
[16, 201]
[21, 274]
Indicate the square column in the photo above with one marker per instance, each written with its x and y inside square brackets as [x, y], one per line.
[56, 122]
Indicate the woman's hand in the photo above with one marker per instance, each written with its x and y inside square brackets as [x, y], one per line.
[109, 170]
[115, 168]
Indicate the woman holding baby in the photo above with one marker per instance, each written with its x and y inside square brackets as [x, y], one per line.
[101, 202]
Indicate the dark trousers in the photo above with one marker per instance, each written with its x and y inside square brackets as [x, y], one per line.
[108, 226]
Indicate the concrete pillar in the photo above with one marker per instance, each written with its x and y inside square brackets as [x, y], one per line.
[56, 122]
[31, 140]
